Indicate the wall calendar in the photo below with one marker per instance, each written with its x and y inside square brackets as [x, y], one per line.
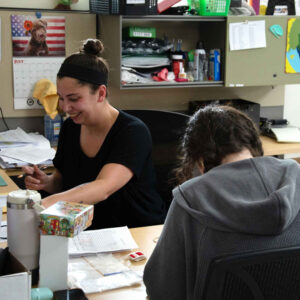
[27, 71]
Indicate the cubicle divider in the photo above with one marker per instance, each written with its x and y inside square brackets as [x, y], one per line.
[78, 27]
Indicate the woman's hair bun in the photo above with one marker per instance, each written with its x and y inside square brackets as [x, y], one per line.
[93, 46]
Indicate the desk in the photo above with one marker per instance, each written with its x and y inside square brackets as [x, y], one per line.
[271, 147]
[18, 171]
[144, 237]
[11, 186]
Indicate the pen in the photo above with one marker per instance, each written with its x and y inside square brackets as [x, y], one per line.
[25, 174]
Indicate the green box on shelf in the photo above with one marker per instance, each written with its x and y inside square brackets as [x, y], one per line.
[139, 32]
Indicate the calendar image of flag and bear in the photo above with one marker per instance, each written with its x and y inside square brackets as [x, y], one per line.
[32, 36]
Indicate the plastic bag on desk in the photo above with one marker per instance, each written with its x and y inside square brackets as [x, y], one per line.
[101, 284]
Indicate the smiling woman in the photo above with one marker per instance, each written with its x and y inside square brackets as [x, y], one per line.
[104, 154]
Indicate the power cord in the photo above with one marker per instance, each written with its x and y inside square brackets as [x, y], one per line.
[3, 119]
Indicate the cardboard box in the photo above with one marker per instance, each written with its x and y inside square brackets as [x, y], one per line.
[66, 218]
[15, 279]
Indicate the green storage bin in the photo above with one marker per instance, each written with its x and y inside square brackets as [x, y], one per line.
[210, 7]
[214, 7]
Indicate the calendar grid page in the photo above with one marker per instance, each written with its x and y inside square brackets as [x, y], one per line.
[27, 71]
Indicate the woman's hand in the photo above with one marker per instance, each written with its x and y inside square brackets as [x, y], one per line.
[35, 178]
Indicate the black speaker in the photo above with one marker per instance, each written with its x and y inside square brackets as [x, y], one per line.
[251, 109]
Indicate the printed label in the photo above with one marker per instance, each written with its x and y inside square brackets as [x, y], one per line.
[135, 2]
[142, 34]
[56, 127]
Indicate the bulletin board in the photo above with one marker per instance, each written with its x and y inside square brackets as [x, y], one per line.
[260, 66]
[78, 27]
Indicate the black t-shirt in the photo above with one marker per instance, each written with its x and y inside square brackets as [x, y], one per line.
[127, 143]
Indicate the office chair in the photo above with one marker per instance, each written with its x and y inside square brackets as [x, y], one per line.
[260, 275]
[166, 128]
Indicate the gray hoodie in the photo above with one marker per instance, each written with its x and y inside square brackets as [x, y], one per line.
[238, 207]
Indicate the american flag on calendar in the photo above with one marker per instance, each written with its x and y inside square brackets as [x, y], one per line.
[21, 26]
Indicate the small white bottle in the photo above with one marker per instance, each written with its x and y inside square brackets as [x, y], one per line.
[199, 62]
[182, 73]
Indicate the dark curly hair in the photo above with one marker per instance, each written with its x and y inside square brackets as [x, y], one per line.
[212, 133]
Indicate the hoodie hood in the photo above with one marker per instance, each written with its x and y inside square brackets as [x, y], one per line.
[254, 196]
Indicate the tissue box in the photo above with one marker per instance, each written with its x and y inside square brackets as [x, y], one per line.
[13, 274]
[66, 218]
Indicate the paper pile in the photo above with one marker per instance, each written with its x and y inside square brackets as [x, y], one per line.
[286, 134]
[102, 240]
[18, 148]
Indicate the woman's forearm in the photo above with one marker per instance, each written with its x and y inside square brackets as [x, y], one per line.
[111, 178]
[90, 193]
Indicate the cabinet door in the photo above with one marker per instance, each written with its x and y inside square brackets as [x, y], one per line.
[260, 66]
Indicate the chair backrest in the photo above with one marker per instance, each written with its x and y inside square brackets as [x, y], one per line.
[260, 275]
[166, 128]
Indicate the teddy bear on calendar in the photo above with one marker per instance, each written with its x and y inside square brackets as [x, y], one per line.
[38, 51]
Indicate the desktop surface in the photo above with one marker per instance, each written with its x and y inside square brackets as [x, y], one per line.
[146, 238]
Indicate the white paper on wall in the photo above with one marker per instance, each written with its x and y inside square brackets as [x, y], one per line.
[297, 7]
[247, 35]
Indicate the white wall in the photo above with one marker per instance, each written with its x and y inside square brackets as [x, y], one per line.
[291, 110]
[292, 104]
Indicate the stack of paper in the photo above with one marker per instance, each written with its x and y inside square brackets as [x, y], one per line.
[18, 148]
[102, 240]
[286, 134]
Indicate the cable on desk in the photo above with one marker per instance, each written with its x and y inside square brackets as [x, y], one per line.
[3, 119]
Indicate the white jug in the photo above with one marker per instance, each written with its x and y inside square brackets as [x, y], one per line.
[23, 235]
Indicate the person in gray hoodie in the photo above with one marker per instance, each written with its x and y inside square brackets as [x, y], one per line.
[242, 202]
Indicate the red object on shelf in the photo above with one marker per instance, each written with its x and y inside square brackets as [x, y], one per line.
[165, 4]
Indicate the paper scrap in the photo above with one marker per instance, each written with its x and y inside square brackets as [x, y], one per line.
[247, 35]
